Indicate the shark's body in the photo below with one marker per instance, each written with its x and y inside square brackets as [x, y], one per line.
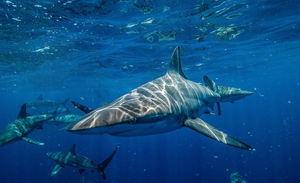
[162, 105]
[71, 159]
[64, 120]
[23, 126]
[236, 178]
[41, 102]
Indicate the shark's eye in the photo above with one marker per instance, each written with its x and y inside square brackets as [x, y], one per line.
[132, 120]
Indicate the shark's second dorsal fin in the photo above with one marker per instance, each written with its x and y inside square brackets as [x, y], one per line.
[72, 150]
[175, 64]
[40, 97]
[22, 113]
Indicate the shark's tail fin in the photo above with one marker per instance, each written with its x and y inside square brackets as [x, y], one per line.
[228, 94]
[64, 102]
[104, 164]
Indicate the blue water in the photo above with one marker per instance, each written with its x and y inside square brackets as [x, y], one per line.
[95, 51]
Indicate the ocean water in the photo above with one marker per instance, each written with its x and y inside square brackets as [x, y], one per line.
[95, 51]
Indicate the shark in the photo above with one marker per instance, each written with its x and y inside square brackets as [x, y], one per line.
[236, 178]
[64, 120]
[23, 126]
[165, 104]
[228, 94]
[41, 102]
[71, 159]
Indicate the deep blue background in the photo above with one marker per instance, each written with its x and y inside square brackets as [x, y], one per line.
[87, 62]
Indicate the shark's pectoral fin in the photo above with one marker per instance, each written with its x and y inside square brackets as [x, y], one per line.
[55, 170]
[211, 132]
[26, 139]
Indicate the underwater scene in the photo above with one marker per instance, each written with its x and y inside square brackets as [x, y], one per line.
[152, 91]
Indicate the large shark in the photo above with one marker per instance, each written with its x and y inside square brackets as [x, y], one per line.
[162, 105]
[23, 126]
[71, 159]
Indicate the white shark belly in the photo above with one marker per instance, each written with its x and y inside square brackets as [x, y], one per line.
[139, 129]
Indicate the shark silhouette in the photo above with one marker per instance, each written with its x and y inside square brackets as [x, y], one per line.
[23, 126]
[162, 105]
[71, 159]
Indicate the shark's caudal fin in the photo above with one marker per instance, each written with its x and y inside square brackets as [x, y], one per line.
[211, 132]
[104, 164]
[175, 64]
[82, 107]
[64, 102]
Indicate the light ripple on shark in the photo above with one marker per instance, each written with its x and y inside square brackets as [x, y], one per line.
[162, 105]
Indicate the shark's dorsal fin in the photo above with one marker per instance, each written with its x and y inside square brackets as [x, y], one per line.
[175, 64]
[209, 83]
[72, 150]
[22, 113]
[40, 97]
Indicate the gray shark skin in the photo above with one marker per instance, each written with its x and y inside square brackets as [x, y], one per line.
[64, 120]
[228, 94]
[162, 105]
[23, 126]
[41, 102]
[71, 159]
[236, 178]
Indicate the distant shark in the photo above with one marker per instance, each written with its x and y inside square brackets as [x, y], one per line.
[23, 126]
[64, 120]
[162, 105]
[71, 159]
[41, 102]
[236, 178]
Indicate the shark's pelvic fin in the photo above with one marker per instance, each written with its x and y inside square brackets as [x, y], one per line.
[104, 164]
[72, 150]
[26, 139]
[56, 170]
[22, 113]
[219, 108]
[175, 64]
[40, 97]
[211, 132]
